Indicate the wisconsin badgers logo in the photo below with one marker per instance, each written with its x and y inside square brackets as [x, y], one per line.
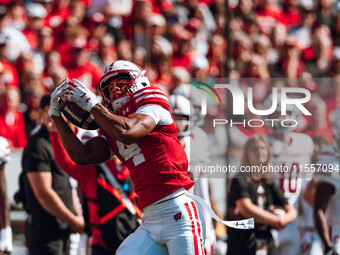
[178, 216]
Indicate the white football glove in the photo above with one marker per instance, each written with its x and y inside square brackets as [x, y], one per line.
[6, 243]
[4, 150]
[55, 96]
[81, 95]
[54, 107]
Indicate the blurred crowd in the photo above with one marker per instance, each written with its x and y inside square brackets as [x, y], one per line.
[260, 43]
[44, 41]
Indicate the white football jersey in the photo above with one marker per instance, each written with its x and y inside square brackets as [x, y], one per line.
[4, 150]
[292, 157]
[196, 148]
[329, 157]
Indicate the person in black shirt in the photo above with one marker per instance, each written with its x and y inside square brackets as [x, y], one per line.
[254, 195]
[47, 195]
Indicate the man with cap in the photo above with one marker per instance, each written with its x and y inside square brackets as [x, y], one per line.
[47, 194]
[35, 14]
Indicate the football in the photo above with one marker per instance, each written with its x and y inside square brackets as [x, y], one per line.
[76, 115]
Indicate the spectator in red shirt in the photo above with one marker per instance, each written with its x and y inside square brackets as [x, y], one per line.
[45, 44]
[75, 20]
[217, 57]
[267, 15]
[291, 14]
[12, 125]
[182, 57]
[291, 64]
[57, 11]
[74, 36]
[35, 13]
[84, 70]
[8, 70]
[53, 72]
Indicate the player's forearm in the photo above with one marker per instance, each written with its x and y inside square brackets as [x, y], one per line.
[117, 127]
[73, 146]
[322, 227]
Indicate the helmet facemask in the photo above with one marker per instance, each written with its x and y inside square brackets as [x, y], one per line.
[111, 83]
[134, 81]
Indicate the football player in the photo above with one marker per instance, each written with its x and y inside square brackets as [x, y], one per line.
[6, 245]
[290, 151]
[137, 125]
[327, 193]
[195, 143]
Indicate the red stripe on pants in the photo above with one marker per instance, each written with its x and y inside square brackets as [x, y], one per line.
[198, 224]
[192, 228]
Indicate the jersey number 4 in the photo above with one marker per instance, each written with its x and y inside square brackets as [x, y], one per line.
[131, 151]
